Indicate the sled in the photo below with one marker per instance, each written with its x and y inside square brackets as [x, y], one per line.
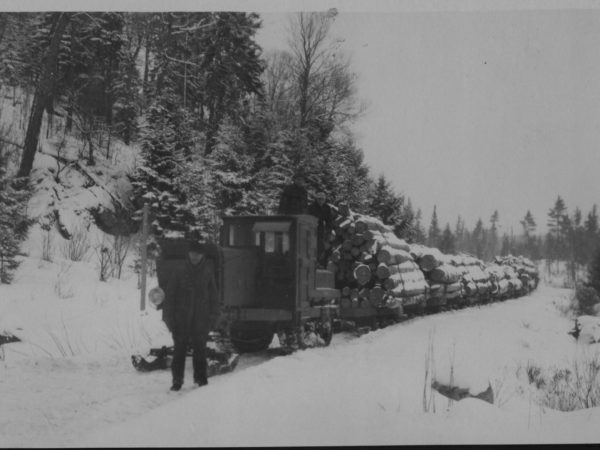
[220, 358]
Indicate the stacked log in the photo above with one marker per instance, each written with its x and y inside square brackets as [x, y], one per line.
[374, 268]
[525, 269]
[370, 261]
[445, 283]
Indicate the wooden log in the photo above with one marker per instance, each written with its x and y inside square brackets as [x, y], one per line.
[483, 288]
[347, 245]
[369, 234]
[392, 282]
[336, 256]
[367, 258]
[383, 271]
[435, 288]
[367, 247]
[501, 287]
[453, 287]
[370, 223]
[390, 255]
[332, 267]
[413, 300]
[344, 223]
[431, 259]
[361, 226]
[365, 303]
[470, 288]
[362, 274]
[376, 295]
[405, 267]
[345, 302]
[411, 288]
[445, 273]
[477, 274]
[416, 251]
[395, 242]
[357, 239]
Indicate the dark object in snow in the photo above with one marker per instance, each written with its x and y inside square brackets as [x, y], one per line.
[219, 361]
[8, 338]
[458, 393]
[576, 331]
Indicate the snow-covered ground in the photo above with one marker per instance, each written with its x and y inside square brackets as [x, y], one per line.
[70, 382]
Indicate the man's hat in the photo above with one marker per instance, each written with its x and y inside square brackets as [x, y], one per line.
[196, 247]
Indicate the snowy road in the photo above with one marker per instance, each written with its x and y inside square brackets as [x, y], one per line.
[48, 402]
[366, 390]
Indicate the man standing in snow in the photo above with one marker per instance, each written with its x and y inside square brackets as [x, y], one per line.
[294, 198]
[190, 309]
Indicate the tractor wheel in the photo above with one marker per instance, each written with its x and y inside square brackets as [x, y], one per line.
[325, 331]
[248, 337]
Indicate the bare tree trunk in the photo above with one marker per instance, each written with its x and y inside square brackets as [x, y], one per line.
[146, 65]
[42, 94]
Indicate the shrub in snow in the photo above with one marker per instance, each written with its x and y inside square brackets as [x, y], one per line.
[111, 256]
[586, 298]
[78, 246]
[567, 388]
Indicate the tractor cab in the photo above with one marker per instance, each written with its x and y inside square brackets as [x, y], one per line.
[269, 281]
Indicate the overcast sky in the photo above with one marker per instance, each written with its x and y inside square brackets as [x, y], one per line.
[478, 110]
[474, 105]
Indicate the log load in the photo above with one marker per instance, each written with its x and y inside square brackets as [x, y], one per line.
[430, 259]
[373, 268]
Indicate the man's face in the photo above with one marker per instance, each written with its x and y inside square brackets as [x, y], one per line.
[321, 199]
[300, 181]
[195, 257]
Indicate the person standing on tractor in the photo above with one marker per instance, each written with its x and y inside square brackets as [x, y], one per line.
[190, 309]
[294, 198]
[322, 211]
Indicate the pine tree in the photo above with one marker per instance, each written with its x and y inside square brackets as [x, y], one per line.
[385, 203]
[505, 250]
[556, 229]
[592, 237]
[14, 222]
[478, 239]
[420, 236]
[529, 226]
[594, 272]
[448, 241]
[492, 241]
[166, 147]
[433, 235]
